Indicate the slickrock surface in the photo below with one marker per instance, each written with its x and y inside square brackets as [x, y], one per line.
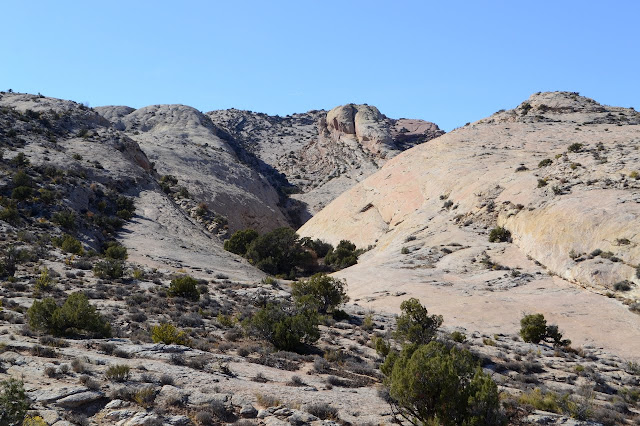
[576, 214]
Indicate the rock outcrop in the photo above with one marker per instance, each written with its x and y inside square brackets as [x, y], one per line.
[560, 174]
[316, 156]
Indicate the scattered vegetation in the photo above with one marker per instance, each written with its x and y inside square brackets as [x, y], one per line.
[281, 252]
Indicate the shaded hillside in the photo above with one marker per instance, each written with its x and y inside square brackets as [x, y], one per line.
[321, 154]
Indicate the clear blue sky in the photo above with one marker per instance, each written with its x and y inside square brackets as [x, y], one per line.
[445, 61]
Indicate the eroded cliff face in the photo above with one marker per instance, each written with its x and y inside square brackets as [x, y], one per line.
[315, 156]
[559, 172]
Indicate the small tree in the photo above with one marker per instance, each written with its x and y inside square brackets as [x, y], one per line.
[240, 240]
[184, 286]
[284, 327]
[75, 316]
[533, 328]
[14, 403]
[108, 268]
[432, 384]
[415, 325]
[327, 292]
[499, 235]
[343, 256]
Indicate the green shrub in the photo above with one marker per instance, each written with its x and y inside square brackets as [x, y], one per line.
[343, 256]
[278, 252]
[20, 178]
[44, 282]
[240, 240]
[575, 147]
[545, 401]
[109, 268]
[118, 373]
[546, 162]
[10, 214]
[533, 328]
[14, 402]
[458, 337]
[116, 251]
[66, 219]
[499, 234]
[75, 317]
[432, 384]
[184, 286]
[69, 244]
[326, 292]
[169, 335]
[20, 160]
[21, 193]
[415, 325]
[285, 328]
[320, 247]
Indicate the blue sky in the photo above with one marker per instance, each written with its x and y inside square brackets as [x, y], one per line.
[448, 62]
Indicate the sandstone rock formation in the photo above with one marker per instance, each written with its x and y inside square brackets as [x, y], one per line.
[317, 155]
[559, 172]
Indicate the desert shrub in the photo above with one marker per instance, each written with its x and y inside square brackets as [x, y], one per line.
[284, 327]
[267, 400]
[575, 147]
[325, 292]
[432, 384]
[14, 402]
[323, 411]
[169, 335]
[44, 282]
[69, 244]
[10, 214]
[547, 401]
[20, 178]
[534, 329]
[622, 286]
[458, 337]
[184, 286]
[320, 247]
[145, 396]
[240, 240]
[66, 219]
[499, 235]
[125, 207]
[115, 251]
[118, 373]
[21, 193]
[415, 325]
[109, 268]
[278, 252]
[34, 421]
[344, 255]
[20, 160]
[546, 162]
[75, 316]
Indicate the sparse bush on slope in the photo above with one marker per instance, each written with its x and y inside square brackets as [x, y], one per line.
[75, 317]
